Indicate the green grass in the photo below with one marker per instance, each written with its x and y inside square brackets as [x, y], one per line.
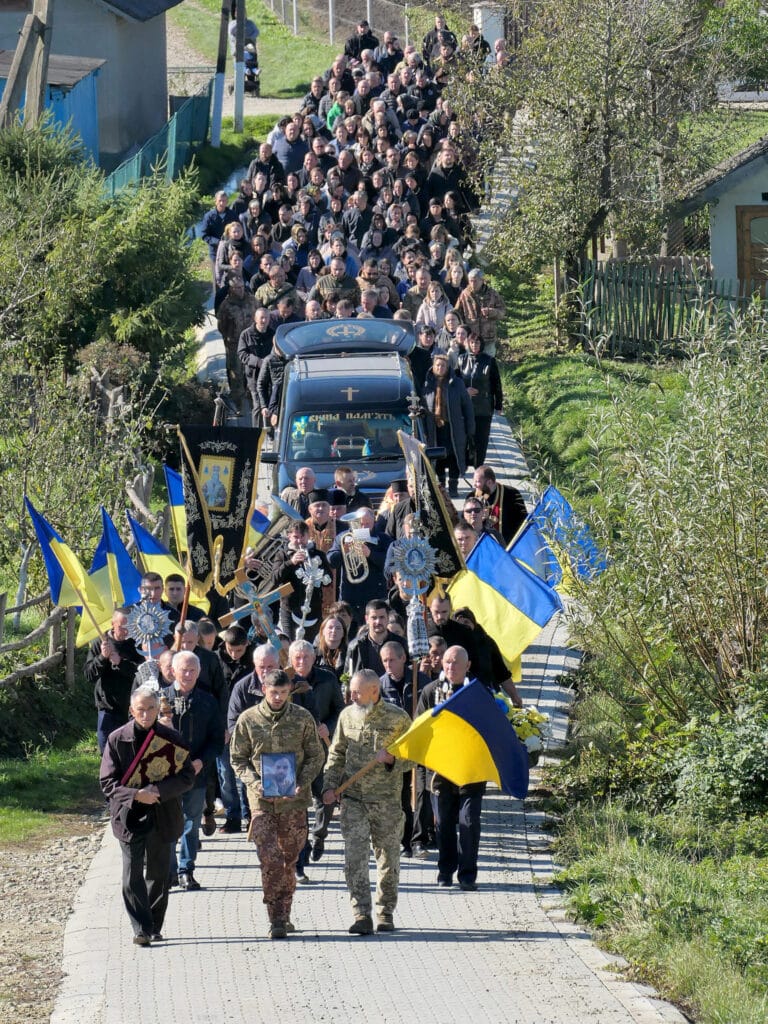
[529, 326]
[556, 403]
[688, 908]
[39, 790]
[215, 165]
[287, 62]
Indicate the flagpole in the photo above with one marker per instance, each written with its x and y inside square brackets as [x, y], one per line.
[184, 607]
[87, 609]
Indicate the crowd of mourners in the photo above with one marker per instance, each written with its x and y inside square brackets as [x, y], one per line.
[359, 206]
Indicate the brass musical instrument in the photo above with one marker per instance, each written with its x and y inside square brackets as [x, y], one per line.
[355, 562]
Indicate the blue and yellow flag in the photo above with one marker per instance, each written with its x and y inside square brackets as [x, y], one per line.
[114, 576]
[511, 603]
[531, 549]
[569, 536]
[70, 584]
[257, 528]
[175, 486]
[154, 556]
[468, 739]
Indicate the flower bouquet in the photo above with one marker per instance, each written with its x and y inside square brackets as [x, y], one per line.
[530, 724]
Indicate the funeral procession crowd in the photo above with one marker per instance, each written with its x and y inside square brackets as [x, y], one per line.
[357, 206]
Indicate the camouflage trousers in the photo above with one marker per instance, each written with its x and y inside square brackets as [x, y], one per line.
[364, 825]
[279, 840]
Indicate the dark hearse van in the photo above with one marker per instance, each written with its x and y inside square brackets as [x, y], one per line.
[346, 393]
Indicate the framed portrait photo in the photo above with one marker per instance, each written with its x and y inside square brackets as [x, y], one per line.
[278, 774]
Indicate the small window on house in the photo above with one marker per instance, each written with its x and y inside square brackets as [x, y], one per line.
[758, 231]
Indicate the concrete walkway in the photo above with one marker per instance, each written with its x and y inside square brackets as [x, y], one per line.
[503, 955]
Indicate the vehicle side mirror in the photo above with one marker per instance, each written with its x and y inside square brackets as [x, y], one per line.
[269, 458]
[431, 453]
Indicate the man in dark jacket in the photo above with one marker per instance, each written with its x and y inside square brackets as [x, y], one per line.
[197, 718]
[365, 649]
[213, 226]
[145, 820]
[236, 657]
[450, 422]
[269, 386]
[253, 347]
[363, 39]
[372, 545]
[111, 666]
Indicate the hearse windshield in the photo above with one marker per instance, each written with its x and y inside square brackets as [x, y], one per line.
[346, 435]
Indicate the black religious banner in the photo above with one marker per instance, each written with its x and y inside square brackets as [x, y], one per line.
[219, 471]
[434, 522]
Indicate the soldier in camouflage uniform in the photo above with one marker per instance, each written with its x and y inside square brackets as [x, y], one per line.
[370, 808]
[279, 825]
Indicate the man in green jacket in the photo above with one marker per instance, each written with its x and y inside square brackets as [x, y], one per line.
[278, 824]
[371, 813]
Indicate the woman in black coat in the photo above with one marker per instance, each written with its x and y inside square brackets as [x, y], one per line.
[450, 419]
[480, 374]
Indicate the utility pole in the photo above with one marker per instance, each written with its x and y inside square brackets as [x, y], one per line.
[239, 67]
[37, 79]
[218, 82]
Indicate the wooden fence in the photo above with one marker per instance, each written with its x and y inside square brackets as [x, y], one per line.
[59, 626]
[636, 310]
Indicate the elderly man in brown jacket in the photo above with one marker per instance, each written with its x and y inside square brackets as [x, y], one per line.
[480, 308]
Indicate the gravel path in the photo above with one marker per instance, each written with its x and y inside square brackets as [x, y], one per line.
[38, 884]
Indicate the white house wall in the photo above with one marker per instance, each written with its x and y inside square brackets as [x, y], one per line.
[132, 89]
[722, 217]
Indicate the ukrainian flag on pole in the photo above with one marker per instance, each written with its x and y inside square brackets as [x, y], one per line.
[468, 739]
[114, 576]
[70, 584]
[511, 603]
[154, 556]
[175, 488]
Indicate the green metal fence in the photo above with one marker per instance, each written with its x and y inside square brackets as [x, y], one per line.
[643, 309]
[172, 147]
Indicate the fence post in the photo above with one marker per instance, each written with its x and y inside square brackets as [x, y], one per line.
[369, 11]
[331, 13]
[283, 14]
[69, 650]
[54, 637]
[295, 17]
[3, 606]
[407, 26]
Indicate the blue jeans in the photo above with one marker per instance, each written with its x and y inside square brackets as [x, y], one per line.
[106, 723]
[192, 804]
[230, 792]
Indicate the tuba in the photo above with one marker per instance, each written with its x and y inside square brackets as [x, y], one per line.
[351, 543]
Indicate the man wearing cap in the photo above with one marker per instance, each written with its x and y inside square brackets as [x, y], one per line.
[322, 533]
[363, 39]
[480, 308]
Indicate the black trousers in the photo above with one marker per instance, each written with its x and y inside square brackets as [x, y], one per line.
[423, 819]
[482, 433]
[146, 895]
[457, 819]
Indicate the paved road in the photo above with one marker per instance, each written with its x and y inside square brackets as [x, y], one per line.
[499, 955]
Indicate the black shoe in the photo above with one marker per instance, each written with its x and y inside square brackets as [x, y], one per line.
[230, 827]
[188, 882]
[209, 825]
[302, 879]
[453, 488]
[141, 940]
[406, 852]
[278, 930]
[173, 881]
[318, 849]
[467, 886]
[362, 926]
[444, 883]
[157, 936]
[419, 852]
